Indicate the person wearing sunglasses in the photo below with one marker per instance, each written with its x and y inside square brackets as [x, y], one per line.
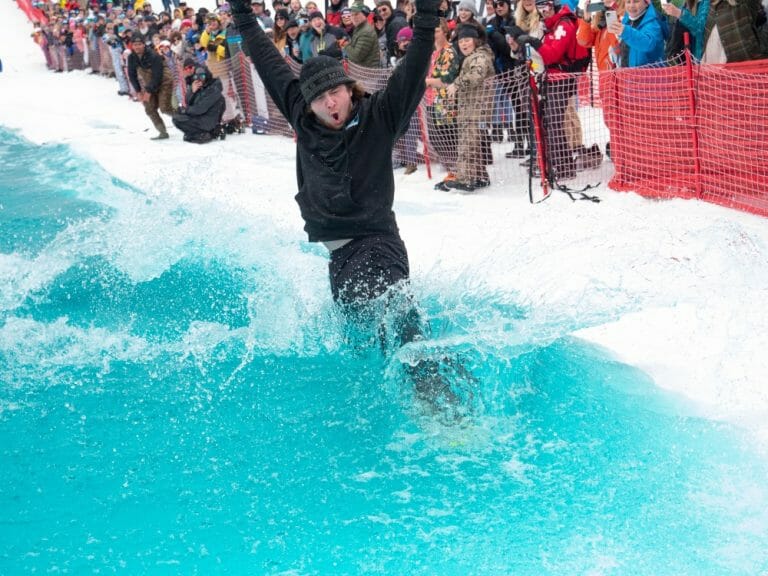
[394, 20]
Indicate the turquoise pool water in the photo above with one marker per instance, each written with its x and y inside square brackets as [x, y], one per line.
[176, 398]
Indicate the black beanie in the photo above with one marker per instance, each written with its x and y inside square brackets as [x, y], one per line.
[467, 31]
[319, 74]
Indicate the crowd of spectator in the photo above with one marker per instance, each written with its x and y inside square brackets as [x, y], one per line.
[156, 57]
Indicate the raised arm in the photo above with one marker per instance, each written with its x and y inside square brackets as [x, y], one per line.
[277, 76]
[646, 36]
[398, 101]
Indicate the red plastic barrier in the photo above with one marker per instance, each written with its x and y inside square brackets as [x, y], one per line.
[676, 130]
[691, 131]
[33, 14]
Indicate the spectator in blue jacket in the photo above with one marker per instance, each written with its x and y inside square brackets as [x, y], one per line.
[640, 34]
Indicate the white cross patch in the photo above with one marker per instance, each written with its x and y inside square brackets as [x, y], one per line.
[560, 32]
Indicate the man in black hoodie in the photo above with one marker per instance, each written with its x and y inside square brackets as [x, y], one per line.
[344, 141]
[156, 86]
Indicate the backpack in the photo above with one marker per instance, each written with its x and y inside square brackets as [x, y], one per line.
[575, 60]
[676, 42]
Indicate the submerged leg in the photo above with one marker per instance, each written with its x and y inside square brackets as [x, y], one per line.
[369, 280]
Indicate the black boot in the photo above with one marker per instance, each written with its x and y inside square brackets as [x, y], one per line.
[519, 151]
[589, 158]
[516, 153]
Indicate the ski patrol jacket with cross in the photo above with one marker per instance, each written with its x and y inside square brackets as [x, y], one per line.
[559, 48]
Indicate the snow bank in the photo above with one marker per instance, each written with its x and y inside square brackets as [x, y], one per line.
[676, 288]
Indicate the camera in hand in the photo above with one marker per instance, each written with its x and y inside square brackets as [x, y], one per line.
[595, 7]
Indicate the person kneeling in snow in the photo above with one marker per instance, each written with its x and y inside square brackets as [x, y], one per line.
[199, 120]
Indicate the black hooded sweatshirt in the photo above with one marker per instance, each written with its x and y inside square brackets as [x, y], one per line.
[150, 60]
[206, 105]
[346, 184]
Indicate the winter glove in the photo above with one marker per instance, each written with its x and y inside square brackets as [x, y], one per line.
[427, 14]
[427, 7]
[240, 7]
[514, 32]
[534, 43]
[334, 51]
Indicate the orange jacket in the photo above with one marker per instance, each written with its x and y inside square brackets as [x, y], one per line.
[601, 40]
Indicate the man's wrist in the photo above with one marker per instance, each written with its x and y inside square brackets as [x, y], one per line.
[245, 19]
[426, 20]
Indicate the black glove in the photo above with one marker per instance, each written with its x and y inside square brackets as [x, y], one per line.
[427, 7]
[514, 31]
[427, 14]
[534, 43]
[240, 7]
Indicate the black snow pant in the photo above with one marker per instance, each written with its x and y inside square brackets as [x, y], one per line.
[192, 127]
[559, 153]
[364, 269]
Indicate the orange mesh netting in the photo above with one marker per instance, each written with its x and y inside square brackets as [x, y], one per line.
[676, 129]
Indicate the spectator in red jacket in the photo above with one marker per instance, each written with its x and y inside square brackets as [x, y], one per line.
[562, 55]
[333, 14]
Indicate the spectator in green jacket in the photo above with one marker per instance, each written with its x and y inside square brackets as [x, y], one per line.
[363, 48]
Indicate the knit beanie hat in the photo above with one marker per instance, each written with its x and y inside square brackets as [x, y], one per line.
[405, 33]
[468, 5]
[467, 31]
[319, 74]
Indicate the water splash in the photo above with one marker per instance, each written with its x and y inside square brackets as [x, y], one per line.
[179, 392]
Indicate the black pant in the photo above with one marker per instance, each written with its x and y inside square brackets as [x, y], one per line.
[192, 127]
[559, 154]
[362, 271]
[365, 269]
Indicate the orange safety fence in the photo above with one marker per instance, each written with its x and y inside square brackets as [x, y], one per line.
[691, 131]
[33, 13]
[677, 129]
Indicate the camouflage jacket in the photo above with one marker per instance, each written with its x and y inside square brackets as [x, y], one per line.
[474, 96]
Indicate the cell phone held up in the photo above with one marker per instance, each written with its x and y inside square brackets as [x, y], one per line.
[610, 18]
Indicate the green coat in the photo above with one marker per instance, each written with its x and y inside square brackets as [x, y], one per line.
[363, 48]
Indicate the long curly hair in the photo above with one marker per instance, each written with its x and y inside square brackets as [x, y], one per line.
[528, 21]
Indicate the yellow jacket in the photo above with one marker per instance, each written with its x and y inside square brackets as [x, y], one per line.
[219, 40]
